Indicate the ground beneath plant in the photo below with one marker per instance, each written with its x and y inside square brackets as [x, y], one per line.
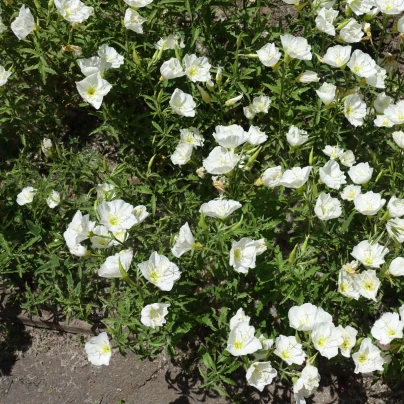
[45, 367]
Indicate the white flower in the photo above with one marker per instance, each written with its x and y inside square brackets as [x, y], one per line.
[172, 69]
[192, 136]
[360, 7]
[266, 346]
[390, 7]
[219, 208]
[347, 158]
[326, 339]
[98, 349]
[78, 250]
[182, 154]
[92, 65]
[325, 19]
[133, 21]
[117, 215]
[377, 80]
[101, 237]
[400, 24]
[272, 177]
[348, 340]
[331, 175]
[326, 93]
[153, 315]
[350, 192]
[360, 173]
[242, 255]
[368, 284]
[230, 136]
[111, 267]
[24, 24]
[182, 103]
[296, 177]
[370, 255]
[111, 56]
[395, 227]
[401, 311]
[238, 318]
[387, 328]
[53, 200]
[352, 32]
[184, 242]
[333, 152]
[138, 3]
[46, 146]
[327, 207]
[197, 69]
[269, 55]
[296, 47]
[249, 112]
[4, 75]
[396, 207]
[362, 64]
[140, 212]
[172, 41]
[382, 101]
[395, 112]
[347, 285]
[288, 349]
[232, 101]
[220, 160]
[260, 104]
[256, 136]
[73, 10]
[337, 56]
[398, 138]
[260, 374]
[105, 190]
[26, 196]
[242, 340]
[308, 76]
[304, 317]
[306, 384]
[78, 230]
[296, 137]
[369, 204]
[93, 89]
[160, 271]
[368, 358]
[354, 109]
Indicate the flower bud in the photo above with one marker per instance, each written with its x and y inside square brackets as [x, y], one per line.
[204, 94]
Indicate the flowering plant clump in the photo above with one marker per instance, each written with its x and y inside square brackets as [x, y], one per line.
[204, 174]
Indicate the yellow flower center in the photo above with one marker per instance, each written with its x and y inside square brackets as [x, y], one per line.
[193, 71]
[362, 358]
[238, 345]
[105, 349]
[91, 91]
[155, 276]
[369, 285]
[113, 221]
[391, 332]
[285, 354]
[322, 342]
[237, 254]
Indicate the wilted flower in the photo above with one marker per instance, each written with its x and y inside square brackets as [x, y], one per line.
[242, 340]
[295, 177]
[369, 204]
[46, 146]
[269, 55]
[73, 10]
[98, 349]
[232, 101]
[93, 89]
[53, 200]
[260, 374]
[26, 196]
[160, 271]
[370, 255]
[182, 103]
[360, 173]
[308, 76]
[219, 208]
[368, 358]
[133, 21]
[112, 266]
[327, 207]
[296, 47]
[153, 315]
[288, 349]
[24, 24]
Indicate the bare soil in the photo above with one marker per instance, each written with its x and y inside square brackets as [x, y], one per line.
[46, 367]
